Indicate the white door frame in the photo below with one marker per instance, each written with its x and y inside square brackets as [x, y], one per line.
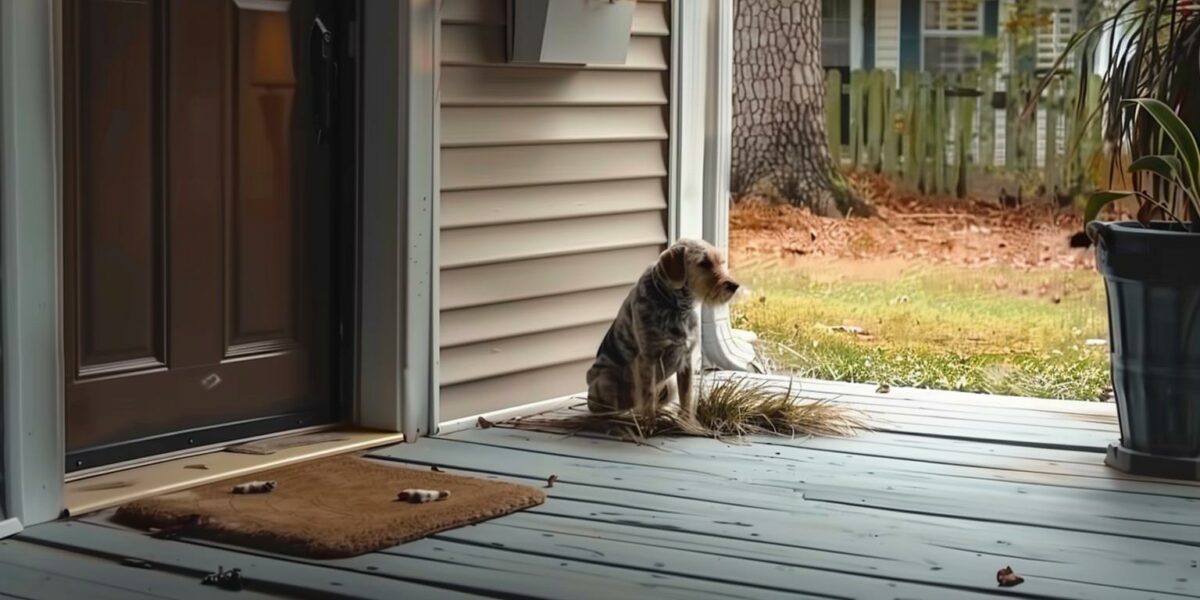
[396, 387]
[398, 320]
[30, 244]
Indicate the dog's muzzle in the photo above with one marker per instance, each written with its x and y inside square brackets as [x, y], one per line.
[724, 291]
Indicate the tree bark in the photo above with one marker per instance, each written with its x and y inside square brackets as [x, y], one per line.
[779, 108]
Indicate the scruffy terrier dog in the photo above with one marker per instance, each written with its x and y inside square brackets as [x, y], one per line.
[650, 357]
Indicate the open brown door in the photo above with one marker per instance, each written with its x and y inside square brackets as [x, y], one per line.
[200, 232]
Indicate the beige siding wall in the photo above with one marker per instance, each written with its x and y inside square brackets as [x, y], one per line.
[553, 200]
[887, 35]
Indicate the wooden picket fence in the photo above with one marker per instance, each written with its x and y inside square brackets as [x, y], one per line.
[935, 131]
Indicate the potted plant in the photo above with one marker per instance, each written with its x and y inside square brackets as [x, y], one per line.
[1150, 108]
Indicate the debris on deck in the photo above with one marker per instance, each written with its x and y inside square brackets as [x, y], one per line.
[226, 580]
[1007, 578]
[416, 496]
[254, 487]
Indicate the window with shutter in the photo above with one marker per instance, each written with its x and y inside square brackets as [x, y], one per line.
[951, 31]
[835, 33]
[1056, 26]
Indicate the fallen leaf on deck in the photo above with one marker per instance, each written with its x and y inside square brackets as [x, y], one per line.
[1007, 578]
[550, 480]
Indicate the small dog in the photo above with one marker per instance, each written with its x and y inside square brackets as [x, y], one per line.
[650, 355]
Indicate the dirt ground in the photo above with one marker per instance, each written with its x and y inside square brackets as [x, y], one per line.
[972, 232]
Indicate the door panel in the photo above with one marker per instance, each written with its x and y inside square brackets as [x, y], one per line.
[119, 278]
[263, 231]
[199, 225]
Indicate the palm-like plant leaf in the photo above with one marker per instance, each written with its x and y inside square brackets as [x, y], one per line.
[1097, 202]
[1164, 165]
[1180, 135]
[1153, 52]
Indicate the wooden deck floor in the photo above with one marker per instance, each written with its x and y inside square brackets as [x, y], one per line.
[951, 488]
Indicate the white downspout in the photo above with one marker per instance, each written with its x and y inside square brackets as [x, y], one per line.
[724, 347]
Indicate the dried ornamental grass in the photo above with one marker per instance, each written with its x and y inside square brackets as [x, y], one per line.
[729, 407]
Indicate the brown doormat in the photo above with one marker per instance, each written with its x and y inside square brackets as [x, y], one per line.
[329, 508]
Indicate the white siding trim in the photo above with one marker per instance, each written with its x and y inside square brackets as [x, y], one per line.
[33, 402]
[421, 385]
[689, 92]
[397, 354]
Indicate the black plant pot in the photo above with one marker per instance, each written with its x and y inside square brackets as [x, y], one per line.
[1152, 279]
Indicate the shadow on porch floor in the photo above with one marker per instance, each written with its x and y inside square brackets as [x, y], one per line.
[950, 489]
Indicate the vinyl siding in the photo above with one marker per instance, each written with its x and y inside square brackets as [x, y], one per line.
[553, 200]
[887, 35]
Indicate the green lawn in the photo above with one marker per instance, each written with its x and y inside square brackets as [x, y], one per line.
[990, 330]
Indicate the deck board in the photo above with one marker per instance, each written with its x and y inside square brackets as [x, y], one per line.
[947, 489]
[960, 492]
[830, 530]
[29, 570]
[276, 575]
[442, 559]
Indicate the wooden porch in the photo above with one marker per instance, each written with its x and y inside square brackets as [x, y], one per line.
[949, 489]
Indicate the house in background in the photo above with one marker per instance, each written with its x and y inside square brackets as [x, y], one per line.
[935, 35]
[947, 37]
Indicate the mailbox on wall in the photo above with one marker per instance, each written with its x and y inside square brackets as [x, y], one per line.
[575, 32]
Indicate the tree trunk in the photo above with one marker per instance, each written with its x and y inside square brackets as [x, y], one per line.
[779, 108]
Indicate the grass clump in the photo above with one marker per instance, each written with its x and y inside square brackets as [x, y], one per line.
[728, 408]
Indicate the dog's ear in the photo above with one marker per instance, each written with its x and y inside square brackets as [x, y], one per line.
[673, 263]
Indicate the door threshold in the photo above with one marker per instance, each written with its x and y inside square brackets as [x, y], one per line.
[187, 452]
[98, 492]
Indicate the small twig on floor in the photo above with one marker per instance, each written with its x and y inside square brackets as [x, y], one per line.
[227, 580]
[136, 563]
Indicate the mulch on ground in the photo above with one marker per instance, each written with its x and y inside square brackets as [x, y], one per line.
[972, 232]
